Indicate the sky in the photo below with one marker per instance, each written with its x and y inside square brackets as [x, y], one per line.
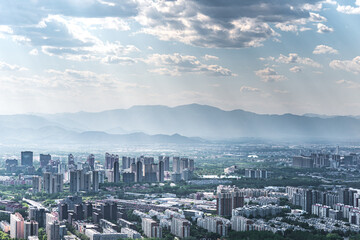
[264, 56]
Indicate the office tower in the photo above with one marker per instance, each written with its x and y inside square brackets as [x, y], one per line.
[128, 177]
[176, 165]
[79, 212]
[151, 228]
[27, 158]
[36, 184]
[95, 181]
[63, 211]
[160, 173]
[91, 161]
[71, 160]
[16, 226]
[44, 159]
[30, 229]
[227, 199]
[116, 171]
[53, 230]
[180, 227]
[139, 171]
[166, 163]
[105, 210]
[191, 165]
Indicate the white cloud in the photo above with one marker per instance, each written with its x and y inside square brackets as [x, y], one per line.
[9, 67]
[348, 9]
[296, 69]
[210, 57]
[249, 89]
[294, 58]
[34, 52]
[176, 64]
[322, 28]
[348, 84]
[323, 49]
[234, 24]
[269, 75]
[347, 65]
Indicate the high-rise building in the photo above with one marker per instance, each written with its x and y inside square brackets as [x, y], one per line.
[48, 182]
[95, 181]
[79, 212]
[139, 171]
[27, 158]
[36, 184]
[227, 199]
[53, 230]
[71, 160]
[16, 226]
[151, 228]
[180, 227]
[110, 159]
[30, 228]
[184, 164]
[160, 173]
[191, 165]
[63, 211]
[126, 162]
[105, 210]
[91, 161]
[74, 181]
[88, 210]
[53, 182]
[44, 159]
[166, 163]
[128, 177]
[176, 165]
[113, 211]
[116, 171]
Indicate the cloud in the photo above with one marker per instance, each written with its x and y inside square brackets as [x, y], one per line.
[347, 9]
[322, 28]
[249, 89]
[215, 24]
[9, 67]
[177, 64]
[347, 65]
[34, 52]
[323, 49]
[269, 75]
[296, 69]
[210, 57]
[348, 84]
[294, 58]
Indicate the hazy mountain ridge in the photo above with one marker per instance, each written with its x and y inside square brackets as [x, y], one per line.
[157, 124]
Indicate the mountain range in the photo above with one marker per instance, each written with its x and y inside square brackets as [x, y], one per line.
[182, 124]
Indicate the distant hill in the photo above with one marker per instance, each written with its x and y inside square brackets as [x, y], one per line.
[172, 124]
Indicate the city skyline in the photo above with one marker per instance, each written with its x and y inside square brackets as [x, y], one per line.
[260, 56]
